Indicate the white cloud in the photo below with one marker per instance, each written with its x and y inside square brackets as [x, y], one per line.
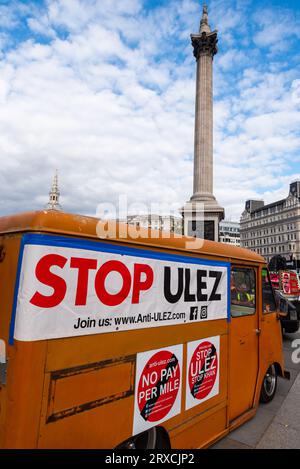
[7, 17]
[107, 101]
[277, 28]
[231, 58]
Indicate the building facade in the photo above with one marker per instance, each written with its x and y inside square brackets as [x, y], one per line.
[157, 222]
[273, 229]
[229, 232]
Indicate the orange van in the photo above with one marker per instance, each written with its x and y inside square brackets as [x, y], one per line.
[123, 343]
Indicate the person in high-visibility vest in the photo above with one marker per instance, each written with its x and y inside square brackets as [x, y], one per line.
[244, 295]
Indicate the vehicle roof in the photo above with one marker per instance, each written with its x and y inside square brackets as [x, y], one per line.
[61, 223]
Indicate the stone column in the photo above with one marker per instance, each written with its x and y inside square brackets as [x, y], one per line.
[205, 47]
[202, 212]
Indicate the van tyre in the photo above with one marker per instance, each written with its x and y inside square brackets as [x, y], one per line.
[269, 385]
[154, 438]
[291, 328]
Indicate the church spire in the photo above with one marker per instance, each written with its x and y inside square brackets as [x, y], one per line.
[204, 26]
[54, 194]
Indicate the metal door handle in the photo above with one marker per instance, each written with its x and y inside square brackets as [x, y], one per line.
[257, 331]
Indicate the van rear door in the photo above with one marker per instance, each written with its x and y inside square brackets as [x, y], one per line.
[243, 363]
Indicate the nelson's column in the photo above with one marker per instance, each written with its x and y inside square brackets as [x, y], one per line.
[202, 213]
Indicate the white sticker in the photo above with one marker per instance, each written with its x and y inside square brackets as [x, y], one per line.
[203, 364]
[158, 384]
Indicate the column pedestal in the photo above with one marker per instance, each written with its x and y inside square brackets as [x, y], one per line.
[201, 219]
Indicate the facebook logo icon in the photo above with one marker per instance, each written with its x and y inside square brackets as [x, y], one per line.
[194, 313]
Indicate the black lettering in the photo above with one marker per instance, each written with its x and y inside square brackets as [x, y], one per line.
[167, 285]
[76, 326]
[104, 322]
[215, 296]
[187, 294]
[201, 285]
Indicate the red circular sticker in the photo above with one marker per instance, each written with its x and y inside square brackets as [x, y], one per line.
[158, 386]
[203, 370]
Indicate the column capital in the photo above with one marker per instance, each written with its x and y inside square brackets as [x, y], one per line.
[205, 44]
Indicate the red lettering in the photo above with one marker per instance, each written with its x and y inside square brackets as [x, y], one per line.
[139, 285]
[45, 276]
[107, 298]
[83, 266]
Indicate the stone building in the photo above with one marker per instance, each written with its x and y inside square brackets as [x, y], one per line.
[273, 229]
[229, 232]
[157, 222]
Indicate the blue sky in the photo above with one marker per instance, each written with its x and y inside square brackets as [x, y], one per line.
[103, 90]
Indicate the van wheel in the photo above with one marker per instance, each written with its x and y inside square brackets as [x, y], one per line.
[154, 438]
[269, 385]
[291, 328]
[145, 440]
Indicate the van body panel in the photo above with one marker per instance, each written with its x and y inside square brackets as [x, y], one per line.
[80, 392]
[89, 227]
[243, 364]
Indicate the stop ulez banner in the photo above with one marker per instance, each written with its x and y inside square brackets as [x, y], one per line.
[69, 287]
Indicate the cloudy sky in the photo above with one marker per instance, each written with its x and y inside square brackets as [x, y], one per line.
[103, 90]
